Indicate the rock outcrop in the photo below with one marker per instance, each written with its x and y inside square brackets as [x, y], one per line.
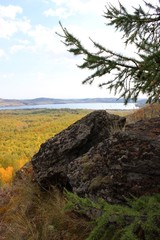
[51, 163]
[94, 157]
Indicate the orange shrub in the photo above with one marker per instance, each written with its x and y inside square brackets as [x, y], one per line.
[6, 174]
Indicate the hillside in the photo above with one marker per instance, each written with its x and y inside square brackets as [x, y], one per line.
[93, 157]
[43, 101]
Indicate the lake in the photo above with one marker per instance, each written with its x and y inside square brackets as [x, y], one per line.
[95, 106]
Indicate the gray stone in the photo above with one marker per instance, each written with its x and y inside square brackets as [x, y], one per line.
[94, 157]
[58, 154]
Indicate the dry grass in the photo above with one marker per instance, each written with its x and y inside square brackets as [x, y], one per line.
[31, 214]
[122, 113]
[149, 111]
[146, 112]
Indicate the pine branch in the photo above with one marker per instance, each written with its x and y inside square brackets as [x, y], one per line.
[130, 76]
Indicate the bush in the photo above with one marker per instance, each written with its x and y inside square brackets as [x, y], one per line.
[139, 219]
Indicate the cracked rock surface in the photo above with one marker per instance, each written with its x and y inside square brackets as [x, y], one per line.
[97, 157]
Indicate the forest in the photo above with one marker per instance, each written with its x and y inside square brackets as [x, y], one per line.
[23, 131]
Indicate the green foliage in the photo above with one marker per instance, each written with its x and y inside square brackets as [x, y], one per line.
[139, 219]
[130, 75]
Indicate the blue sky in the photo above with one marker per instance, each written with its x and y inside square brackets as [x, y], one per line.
[33, 61]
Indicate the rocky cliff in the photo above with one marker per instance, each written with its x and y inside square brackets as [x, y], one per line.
[99, 157]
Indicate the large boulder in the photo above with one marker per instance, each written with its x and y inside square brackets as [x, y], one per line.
[125, 164]
[51, 163]
[96, 157]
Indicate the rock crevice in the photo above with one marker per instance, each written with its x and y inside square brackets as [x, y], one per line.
[95, 157]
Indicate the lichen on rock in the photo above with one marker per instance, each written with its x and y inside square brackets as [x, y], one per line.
[91, 159]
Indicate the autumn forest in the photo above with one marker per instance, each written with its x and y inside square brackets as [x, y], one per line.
[23, 131]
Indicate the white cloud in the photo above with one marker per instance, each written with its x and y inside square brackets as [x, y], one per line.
[66, 8]
[6, 76]
[76, 5]
[17, 48]
[23, 25]
[9, 27]
[21, 47]
[23, 41]
[10, 24]
[59, 12]
[46, 39]
[2, 54]
[72, 7]
[46, 1]
[10, 11]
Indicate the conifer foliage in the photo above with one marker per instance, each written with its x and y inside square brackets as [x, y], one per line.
[128, 76]
[138, 220]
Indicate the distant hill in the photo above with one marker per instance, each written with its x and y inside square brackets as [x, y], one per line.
[43, 101]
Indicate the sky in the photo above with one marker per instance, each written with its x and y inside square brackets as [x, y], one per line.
[33, 60]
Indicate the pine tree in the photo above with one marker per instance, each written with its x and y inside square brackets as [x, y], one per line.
[134, 75]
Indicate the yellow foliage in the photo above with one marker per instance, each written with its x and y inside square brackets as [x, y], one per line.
[21, 162]
[23, 131]
[6, 174]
